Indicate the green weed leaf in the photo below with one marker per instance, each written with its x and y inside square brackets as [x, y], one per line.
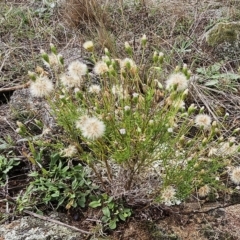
[95, 204]
[106, 211]
[113, 224]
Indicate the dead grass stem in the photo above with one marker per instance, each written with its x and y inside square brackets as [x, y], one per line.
[84, 12]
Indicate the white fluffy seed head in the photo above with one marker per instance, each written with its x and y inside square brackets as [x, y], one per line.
[227, 149]
[203, 191]
[77, 69]
[168, 195]
[177, 79]
[128, 64]
[69, 81]
[41, 87]
[100, 68]
[203, 121]
[70, 151]
[94, 89]
[178, 104]
[82, 121]
[91, 127]
[235, 175]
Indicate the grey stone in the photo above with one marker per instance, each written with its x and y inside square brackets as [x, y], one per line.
[23, 106]
[30, 228]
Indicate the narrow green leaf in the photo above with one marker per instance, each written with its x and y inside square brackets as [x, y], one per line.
[211, 83]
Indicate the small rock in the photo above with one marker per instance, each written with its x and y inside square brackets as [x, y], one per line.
[223, 32]
[29, 228]
[220, 212]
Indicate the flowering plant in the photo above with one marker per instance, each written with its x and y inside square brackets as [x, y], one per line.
[134, 131]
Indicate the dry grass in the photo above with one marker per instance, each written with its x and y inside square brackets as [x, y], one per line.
[92, 19]
[106, 40]
[77, 13]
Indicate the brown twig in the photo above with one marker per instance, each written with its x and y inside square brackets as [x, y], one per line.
[55, 221]
[25, 85]
[49, 219]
